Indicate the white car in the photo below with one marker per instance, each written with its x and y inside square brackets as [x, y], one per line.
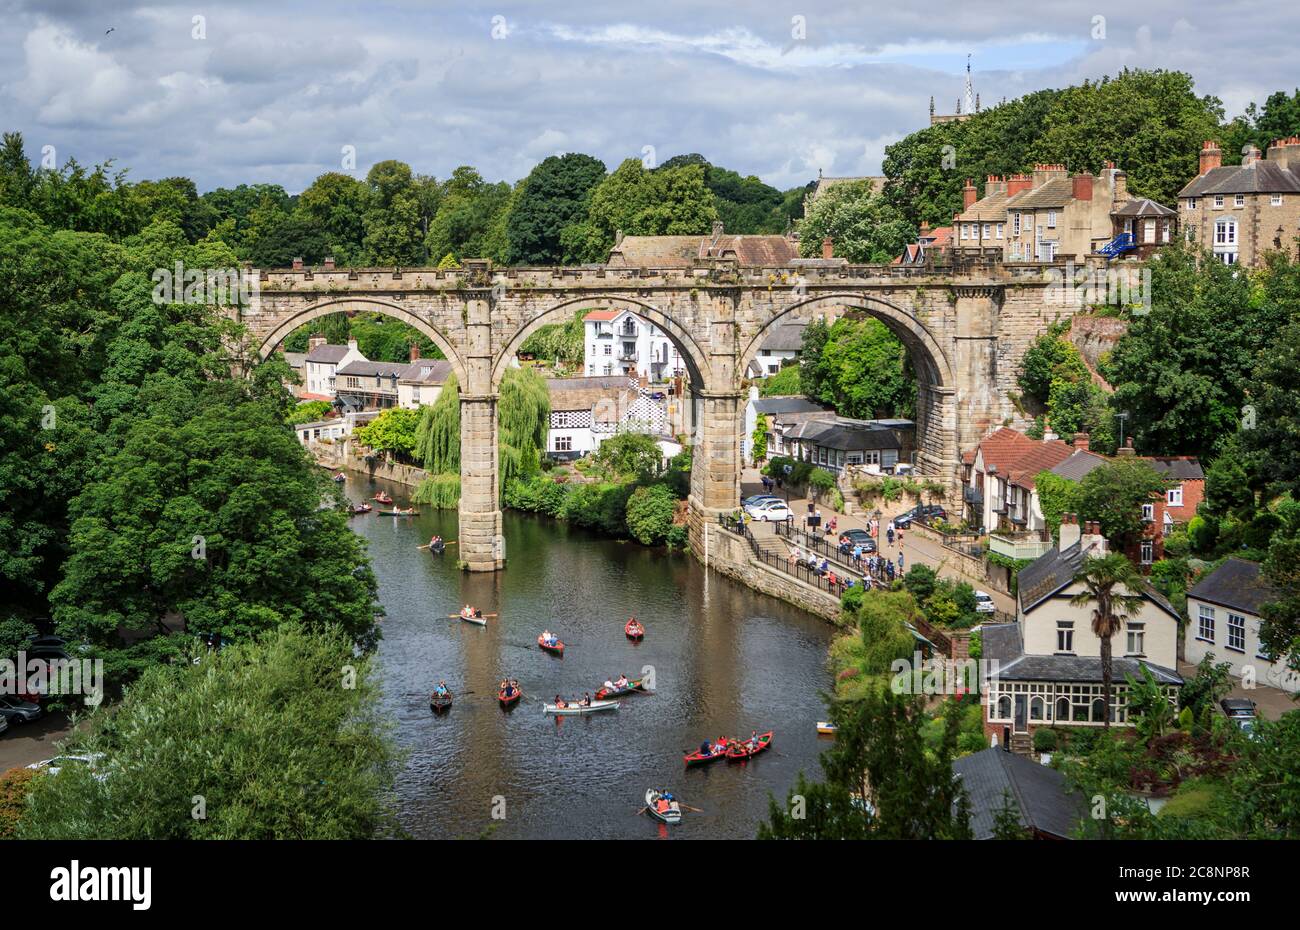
[984, 603]
[52, 766]
[773, 511]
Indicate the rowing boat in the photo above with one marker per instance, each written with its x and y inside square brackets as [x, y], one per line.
[382, 498]
[398, 513]
[556, 650]
[508, 701]
[632, 686]
[359, 509]
[478, 620]
[340, 477]
[740, 750]
[440, 705]
[671, 815]
[699, 758]
[634, 630]
[825, 726]
[592, 708]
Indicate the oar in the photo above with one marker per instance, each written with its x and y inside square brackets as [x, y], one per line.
[687, 807]
[459, 617]
[426, 545]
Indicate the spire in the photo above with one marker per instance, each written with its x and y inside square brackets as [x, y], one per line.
[970, 90]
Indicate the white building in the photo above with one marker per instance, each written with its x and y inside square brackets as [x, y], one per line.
[1224, 619]
[620, 342]
[333, 429]
[771, 408]
[587, 411]
[421, 382]
[323, 362]
[782, 346]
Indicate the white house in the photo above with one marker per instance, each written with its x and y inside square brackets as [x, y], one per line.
[1224, 611]
[620, 342]
[1047, 669]
[323, 362]
[587, 411]
[334, 428]
[421, 382]
[783, 344]
[770, 408]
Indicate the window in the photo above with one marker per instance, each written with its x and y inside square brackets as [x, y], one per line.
[1218, 201]
[1228, 258]
[1063, 708]
[1191, 203]
[1275, 200]
[1004, 707]
[1239, 200]
[1135, 639]
[1015, 224]
[1205, 624]
[1236, 632]
[1174, 496]
[965, 231]
[1149, 231]
[1037, 706]
[1148, 551]
[1148, 513]
[988, 230]
[1051, 219]
[1000, 228]
[563, 443]
[1065, 636]
[609, 350]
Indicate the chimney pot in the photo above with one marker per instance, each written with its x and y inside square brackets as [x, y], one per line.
[1081, 441]
[828, 248]
[329, 263]
[297, 264]
[968, 194]
[1083, 186]
[1211, 156]
[415, 351]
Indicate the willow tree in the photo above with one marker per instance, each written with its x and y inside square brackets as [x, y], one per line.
[437, 435]
[523, 413]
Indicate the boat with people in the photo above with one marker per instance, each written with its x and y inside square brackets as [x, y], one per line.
[551, 643]
[472, 615]
[663, 806]
[340, 478]
[740, 750]
[398, 512]
[440, 700]
[620, 687]
[634, 630]
[717, 750]
[357, 509]
[565, 708]
[382, 498]
[509, 693]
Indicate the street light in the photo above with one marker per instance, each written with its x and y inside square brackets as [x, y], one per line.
[1121, 417]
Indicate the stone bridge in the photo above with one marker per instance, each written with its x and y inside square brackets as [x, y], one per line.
[966, 332]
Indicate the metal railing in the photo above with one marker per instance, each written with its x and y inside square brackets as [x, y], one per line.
[790, 567]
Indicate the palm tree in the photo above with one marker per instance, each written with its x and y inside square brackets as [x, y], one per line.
[1108, 582]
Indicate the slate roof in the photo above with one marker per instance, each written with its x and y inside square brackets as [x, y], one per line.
[1000, 642]
[784, 404]
[1054, 570]
[785, 337]
[327, 354]
[1235, 584]
[426, 371]
[1019, 458]
[371, 369]
[989, 208]
[1054, 192]
[994, 778]
[295, 359]
[585, 393]
[1178, 467]
[846, 435]
[1086, 669]
[1260, 177]
[1078, 464]
[1143, 207]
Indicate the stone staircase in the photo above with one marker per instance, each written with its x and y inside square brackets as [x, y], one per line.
[767, 541]
[1022, 744]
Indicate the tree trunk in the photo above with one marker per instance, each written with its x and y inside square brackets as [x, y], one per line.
[1105, 679]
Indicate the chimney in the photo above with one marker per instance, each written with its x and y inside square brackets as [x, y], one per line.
[828, 248]
[717, 231]
[1083, 186]
[1211, 156]
[297, 264]
[1044, 173]
[994, 184]
[1120, 184]
[415, 352]
[1081, 441]
[1286, 152]
[925, 230]
[1018, 183]
[968, 194]
[1249, 155]
[352, 343]
[1127, 449]
[329, 263]
[1070, 533]
[1048, 435]
[315, 340]
[1093, 543]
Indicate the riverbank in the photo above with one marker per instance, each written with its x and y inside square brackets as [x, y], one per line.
[342, 456]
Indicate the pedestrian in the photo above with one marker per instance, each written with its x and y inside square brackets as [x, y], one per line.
[900, 535]
[890, 534]
[900, 561]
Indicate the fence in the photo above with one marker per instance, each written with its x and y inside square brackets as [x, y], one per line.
[798, 570]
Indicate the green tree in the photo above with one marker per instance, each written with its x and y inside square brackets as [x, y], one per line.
[1113, 495]
[630, 456]
[555, 194]
[863, 226]
[265, 732]
[650, 514]
[784, 382]
[437, 434]
[861, 369]
[392, 431]
[523, 415]
[394, 223]
[1112, 587]
[335, 204]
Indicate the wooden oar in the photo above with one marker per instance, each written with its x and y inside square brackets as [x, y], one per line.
[459, 617]
[426, 545]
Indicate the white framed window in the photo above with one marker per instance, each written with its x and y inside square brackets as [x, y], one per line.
[1275, 200]
[1225, 232]
[1051, 219]
[1148, 513]
[1228, 258]
[1148, 550]
[1218, 201]
[1135, 639]
[1000, 228]
[1065, 636]
[1174, 496]
[1239, 200]
[1191, 203]
[988, 230]
[563, 443]
[1015, 224]
[609, 349]
[1149, 231]
[1205, 624]
[1236, 632]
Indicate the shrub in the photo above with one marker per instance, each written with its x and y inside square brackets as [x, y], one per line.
[14, 786]
[441, 492]
[678, 537]
[851, 599]
[1044, 740]
[649, 514]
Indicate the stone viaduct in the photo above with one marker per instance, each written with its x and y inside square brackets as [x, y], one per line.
[966, 331]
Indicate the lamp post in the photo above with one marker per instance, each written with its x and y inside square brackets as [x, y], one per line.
[1121, 417]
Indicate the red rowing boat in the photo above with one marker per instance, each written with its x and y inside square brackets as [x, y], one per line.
[509, 700]
[382, 498]
[699, 758]
[556, 650]
[634, 630]
[605, 694]
[739, 749]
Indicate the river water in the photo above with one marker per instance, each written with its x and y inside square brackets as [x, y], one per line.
[726, 661]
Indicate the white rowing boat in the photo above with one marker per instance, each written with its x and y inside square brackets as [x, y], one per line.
[673, 815]
[592, 708]
[477, 621]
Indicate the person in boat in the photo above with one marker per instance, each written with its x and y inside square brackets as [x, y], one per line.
[609, 685]
[706, 748]
[436, 544]
[753, 740]
[467, 611]
[622, 682]
[441, 690]
[560, 703]
[586, 699]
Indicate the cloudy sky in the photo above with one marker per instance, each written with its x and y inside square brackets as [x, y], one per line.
[273, 92]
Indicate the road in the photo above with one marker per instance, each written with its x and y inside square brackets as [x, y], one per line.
[23, 744]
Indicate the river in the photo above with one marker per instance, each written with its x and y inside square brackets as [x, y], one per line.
[726, 660]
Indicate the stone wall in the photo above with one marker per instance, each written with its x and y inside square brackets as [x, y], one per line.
[343, 455]
[731, 555]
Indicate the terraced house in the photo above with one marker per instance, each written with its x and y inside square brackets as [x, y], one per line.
[1240, 212]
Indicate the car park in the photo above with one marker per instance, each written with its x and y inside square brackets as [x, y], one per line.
[15, 710]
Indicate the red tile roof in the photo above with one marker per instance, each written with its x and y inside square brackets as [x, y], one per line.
[602, 314]
[1018, 458]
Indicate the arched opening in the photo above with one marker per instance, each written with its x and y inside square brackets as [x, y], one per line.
[353, 305]
[929, 451]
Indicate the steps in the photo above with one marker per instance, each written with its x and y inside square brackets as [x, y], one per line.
[1022, 744]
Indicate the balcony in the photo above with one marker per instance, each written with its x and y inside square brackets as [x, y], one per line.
[973, 495]
[1018, 545]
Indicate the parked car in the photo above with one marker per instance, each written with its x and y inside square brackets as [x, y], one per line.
[4, 725]
[755, 499]
[984, 603]
[52, 766]
[922, 513]
[1240, 711]
[856, 537]
[18, 711]
[774, 511]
